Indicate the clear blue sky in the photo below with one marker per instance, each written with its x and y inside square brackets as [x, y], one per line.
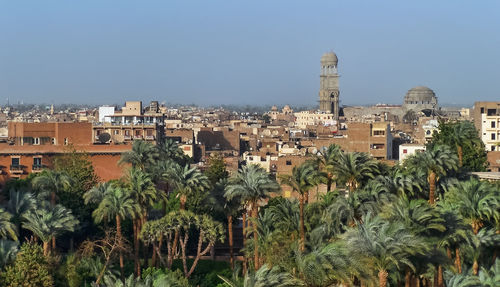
[246, 52]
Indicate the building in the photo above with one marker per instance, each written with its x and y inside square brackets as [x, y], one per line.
[405, 150]
[420, 98]
[32, 147]
[329, 85]
[130, 123]
[487, 122]
[309, 118]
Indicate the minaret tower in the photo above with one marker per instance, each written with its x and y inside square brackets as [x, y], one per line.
[329, 85]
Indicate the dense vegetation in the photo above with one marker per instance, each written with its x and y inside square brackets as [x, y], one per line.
[425, 222]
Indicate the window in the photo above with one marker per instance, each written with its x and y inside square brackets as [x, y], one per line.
[288, 162]
[66, 141]
[378, 133]
[493, 137]
[127, 132]
[15, 161]
[116, 132]
[54, 141]
[492, 112]
[492, 148]
[405, 151]
[37, 161]
[36, 141]
[482, 110]
[493, 125]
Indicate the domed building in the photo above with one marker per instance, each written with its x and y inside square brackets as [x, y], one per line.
[420, 98]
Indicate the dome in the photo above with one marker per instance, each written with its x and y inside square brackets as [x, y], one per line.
[329, 59]
[419, 98]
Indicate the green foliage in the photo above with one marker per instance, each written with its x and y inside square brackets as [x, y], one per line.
[165, 277]
[78, 166]
[462, 135]
[216, 169]
[30, 269]
[8, 251]
[7, 228]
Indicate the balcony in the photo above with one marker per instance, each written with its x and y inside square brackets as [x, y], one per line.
[138, 137]
[37, 167]
[150, 138]
[127, 137]
[16, 168]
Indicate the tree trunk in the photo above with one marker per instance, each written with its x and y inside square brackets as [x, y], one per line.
[230, 234]
[244, 229]
[458, 263]
[460, 155]
[255, 216]
[407, 277]
[440, 276]
[448, 252]
[53, 198]
[53, 243]
[46, 248]
[329, 183]
[119, 235]
[136, 247]
[382, 278]
[302, 229]
[475, 267]
[183, 200]
[432, 187]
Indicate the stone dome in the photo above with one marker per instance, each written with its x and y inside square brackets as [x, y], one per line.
[329, 59]
[420, 98]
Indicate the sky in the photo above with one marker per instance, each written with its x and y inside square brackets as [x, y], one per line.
[246, 52]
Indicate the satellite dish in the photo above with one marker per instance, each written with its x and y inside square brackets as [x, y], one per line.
[104, 138]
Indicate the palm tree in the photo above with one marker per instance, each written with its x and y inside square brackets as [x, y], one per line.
[20, 202]
[7, 228]
[327, 159]
[266, 277]
[143, 191]
[49, 223]
[52, 182]
[437, 162]
[251, 184]
[169, 150]
[187, 181]
[97, 193]
[116, 204]
[8, 251]
[477, 202]
[142, 155]
[354, 169]
[386, 244]
[301, 181]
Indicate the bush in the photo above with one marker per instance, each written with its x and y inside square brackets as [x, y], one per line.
[30, 269]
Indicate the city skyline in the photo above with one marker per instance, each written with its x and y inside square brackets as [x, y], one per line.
[246, 54]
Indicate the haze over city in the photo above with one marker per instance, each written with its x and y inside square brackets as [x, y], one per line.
[258, 53]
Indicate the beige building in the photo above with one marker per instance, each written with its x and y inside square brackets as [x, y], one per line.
[487, 122]
[309, 118]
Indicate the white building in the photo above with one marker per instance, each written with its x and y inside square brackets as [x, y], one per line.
[308, 118]
[490, 131]
[105, 112]
[405, 150]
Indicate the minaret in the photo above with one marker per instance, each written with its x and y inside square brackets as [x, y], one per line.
[329, 85]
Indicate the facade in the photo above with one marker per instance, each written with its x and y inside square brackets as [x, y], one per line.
[32, 147]
[308, 118]
[487, 122]
[405, 150]
[329, 85]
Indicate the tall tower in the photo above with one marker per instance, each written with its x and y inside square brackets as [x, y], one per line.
[329, 85]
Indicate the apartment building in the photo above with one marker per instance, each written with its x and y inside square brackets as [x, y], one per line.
[487, 122]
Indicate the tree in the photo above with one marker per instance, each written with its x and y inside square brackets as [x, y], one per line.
[142, 155]
[143, 191]
[438, 161]
[7, 228]
[477, 201]
[301, 181]
[51, 182]
[30, 269]
[354, 169]
[266, 277]
[20, 202]
[328, 158]
[463, 138]
[251, 184]
[169, 150]
[49, 223]
[386, 244]
[116, 204]
[187, 182]
[8, 251]
[216, 170]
